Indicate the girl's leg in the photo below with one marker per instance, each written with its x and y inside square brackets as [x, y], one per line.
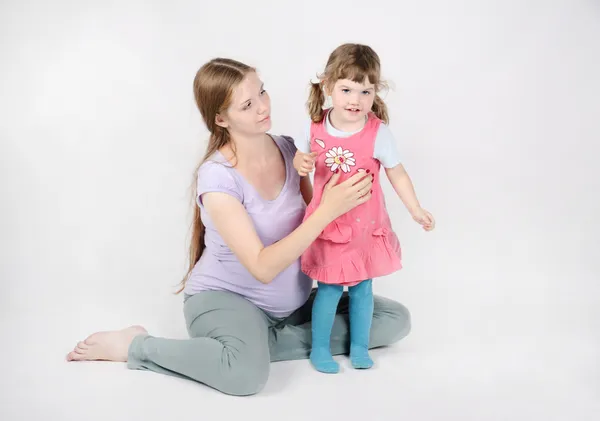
[228, 349]
[291, 339]
[360, 317]
[323, 315]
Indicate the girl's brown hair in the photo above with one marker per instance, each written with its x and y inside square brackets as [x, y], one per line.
[213, 87]
[355, 62]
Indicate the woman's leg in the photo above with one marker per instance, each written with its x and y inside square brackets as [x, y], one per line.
[228, 349]
[291, 339]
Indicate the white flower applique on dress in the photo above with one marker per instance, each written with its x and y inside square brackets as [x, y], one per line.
[339, 158]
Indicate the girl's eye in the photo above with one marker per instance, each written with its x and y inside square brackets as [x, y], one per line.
[247, 105]
[345, 90]
[263, 91]
[366, 92]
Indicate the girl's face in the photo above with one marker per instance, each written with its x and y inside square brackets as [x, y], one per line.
[249, 113]
[351, 100]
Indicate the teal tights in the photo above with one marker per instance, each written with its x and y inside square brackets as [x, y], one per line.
[360, 317]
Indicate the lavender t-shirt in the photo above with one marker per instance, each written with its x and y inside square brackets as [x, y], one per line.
[219, 269]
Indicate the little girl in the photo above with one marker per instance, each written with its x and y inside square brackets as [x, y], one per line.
[351, 136]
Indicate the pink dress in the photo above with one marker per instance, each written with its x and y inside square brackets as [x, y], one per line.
[360, 244]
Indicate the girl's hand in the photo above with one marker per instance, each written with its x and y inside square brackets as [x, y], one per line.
[304, 163]
[338, 199]
[424, 218]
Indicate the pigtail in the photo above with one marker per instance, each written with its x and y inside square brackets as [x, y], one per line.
[316, 100]
[380, 109]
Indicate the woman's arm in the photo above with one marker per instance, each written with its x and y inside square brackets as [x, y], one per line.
[264, 263]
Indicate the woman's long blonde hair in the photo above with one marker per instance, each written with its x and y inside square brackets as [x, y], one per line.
[355, 62]
[213, 87]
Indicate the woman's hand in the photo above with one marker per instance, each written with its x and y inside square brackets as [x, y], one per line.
[339, 198]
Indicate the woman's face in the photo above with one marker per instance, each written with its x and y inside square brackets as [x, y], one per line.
[250, 110]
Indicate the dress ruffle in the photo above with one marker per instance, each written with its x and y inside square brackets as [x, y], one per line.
[352, 265]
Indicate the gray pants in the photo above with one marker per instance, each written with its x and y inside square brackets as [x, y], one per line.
[232, 342]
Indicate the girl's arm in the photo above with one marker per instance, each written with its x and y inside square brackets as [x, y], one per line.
[306, 189]
[406, 192]
[264, 263]
[404, 187]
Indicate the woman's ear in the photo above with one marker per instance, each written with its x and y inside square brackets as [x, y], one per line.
[221, 121]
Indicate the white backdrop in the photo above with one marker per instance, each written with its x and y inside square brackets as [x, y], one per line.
[495, 109]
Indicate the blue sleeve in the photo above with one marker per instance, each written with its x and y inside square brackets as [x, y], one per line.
[302, 142]
[386, 150]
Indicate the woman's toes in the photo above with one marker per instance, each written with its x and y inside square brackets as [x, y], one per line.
[73, 356]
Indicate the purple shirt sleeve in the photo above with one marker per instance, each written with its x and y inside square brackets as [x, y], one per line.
[216, 177]
[289, 145]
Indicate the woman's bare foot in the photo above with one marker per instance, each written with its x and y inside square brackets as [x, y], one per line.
[106, 346]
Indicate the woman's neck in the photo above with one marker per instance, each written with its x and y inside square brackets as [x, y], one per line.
[250, 151]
